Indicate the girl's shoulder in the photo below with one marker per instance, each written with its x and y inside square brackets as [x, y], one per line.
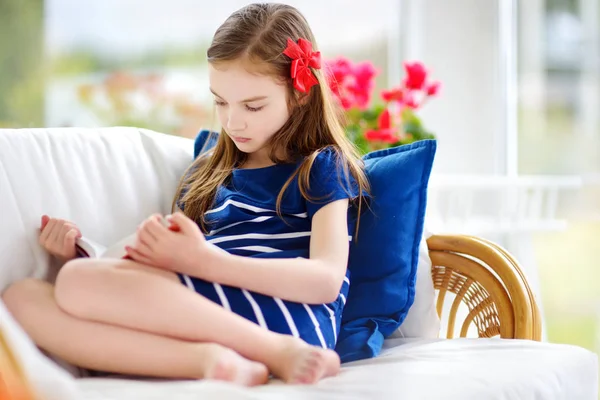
[327, 161]
[326, 157]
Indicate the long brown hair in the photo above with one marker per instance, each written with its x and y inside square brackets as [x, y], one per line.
[257, 35]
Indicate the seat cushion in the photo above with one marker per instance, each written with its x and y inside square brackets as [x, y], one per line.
[490, 369]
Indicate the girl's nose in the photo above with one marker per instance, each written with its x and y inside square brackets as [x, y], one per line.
[235, 122]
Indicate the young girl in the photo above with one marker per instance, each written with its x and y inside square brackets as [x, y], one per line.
[252, 276]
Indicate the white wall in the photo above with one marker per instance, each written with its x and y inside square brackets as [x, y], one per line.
[459, 41]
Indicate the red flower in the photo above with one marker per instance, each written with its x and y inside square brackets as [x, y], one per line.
[432, 88]
[385, 133]
[395, 94]
[415, 75]
[385, 120]
[380, 136]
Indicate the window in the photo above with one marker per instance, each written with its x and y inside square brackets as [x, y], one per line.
[142, 63]
[520, 97]
[559, 87]
[559, 133]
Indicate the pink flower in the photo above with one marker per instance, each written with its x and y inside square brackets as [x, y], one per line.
[351, 84]
[339, 72]
[416, 75]
[410, 101]
[432, 88]
[364, 82]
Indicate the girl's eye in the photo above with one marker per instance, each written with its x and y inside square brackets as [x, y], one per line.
[254, 109]
[220, 103]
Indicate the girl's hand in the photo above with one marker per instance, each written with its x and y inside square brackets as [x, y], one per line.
[58, 237]
[178, 247]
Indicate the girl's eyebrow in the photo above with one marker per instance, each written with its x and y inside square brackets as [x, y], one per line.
[249, 100]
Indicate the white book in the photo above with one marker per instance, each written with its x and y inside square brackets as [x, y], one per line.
[88, 248]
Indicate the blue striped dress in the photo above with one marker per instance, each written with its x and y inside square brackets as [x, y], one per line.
[243, 221]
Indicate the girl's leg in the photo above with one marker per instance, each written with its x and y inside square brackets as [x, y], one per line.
[111, 348]
[136, 296]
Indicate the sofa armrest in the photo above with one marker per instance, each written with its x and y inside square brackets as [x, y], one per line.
[489, 281]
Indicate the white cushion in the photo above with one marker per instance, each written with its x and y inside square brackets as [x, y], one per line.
[408, 369]
[105, 180]
[421, 320]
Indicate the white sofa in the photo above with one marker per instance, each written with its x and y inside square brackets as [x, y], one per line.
[108, 180]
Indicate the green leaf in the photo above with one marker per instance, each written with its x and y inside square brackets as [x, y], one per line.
[408, 116]
[362, 144]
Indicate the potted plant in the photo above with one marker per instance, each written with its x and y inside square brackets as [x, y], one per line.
[391, 122]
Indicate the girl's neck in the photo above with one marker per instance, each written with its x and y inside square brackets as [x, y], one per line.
[259, 159]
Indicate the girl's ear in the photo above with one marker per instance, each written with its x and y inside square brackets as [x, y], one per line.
[302, 98]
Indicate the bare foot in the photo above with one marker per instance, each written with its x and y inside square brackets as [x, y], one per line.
[223, 364]
[302, 363]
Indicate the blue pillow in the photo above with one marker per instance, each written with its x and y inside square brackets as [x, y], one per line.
[383, 262]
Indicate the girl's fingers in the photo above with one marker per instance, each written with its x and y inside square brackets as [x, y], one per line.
[70, 239]
[156, 227]
[44, 221]
[145, 236]
[72, 226]
[143, 249]
[54, 231]
[56, 234]
[137, 255]
[46, 232]
[64, 231]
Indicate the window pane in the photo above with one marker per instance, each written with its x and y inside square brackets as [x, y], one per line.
[142, 63]
[559, 133]
[559, 60]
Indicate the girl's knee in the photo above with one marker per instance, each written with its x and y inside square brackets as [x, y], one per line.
[75, 285]
[19, 296]
[71, 274]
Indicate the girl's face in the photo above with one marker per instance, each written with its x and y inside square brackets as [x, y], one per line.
[251, 107]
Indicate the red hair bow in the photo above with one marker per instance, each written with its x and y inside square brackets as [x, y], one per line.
[303, 59]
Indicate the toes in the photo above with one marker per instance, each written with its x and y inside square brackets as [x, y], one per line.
[239, 371]
[222, 371]
[259, 376]
[311, 369]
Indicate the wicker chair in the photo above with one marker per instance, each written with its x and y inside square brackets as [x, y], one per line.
[490, 282]
[480, 273]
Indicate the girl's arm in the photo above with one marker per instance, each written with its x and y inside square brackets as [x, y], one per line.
[313, 281]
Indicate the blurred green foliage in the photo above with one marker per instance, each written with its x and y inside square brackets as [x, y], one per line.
[82, 61]
[21, 63]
